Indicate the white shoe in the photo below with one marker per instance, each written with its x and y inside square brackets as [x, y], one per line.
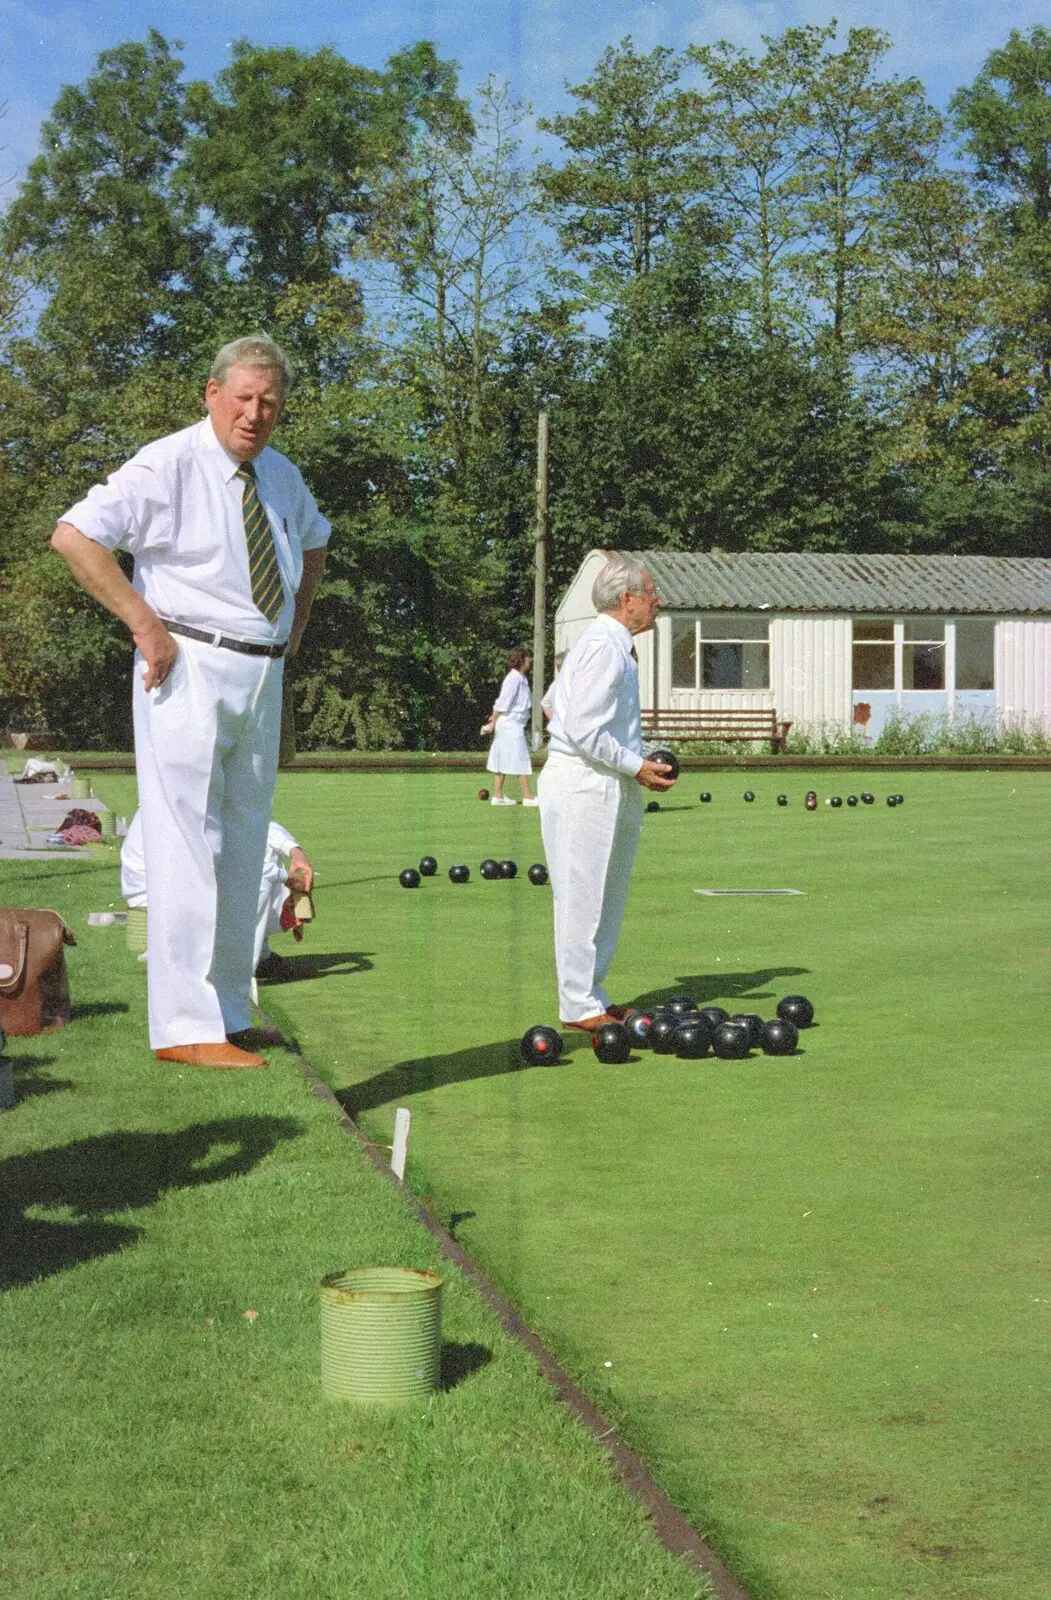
[502, 800]
[532, 801]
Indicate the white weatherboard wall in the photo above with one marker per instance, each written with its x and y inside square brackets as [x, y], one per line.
[1023, 670]
[810, 669]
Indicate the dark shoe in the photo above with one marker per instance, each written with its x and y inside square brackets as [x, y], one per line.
[618, 1013]
[257, 1038]
[273, 969]
[218, 1056]
[589, 1024]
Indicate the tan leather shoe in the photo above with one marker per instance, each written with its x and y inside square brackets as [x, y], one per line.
[257, 1038]
[219, 1056]
[589, 1024]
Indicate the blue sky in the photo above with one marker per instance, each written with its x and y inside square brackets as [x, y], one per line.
[537, 45]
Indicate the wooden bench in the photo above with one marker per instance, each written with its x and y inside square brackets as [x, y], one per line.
[731, 725]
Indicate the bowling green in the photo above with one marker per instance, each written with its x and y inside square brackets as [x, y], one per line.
[813, 1292]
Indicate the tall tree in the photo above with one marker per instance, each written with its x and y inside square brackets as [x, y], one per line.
[631, 173]
[757, 147]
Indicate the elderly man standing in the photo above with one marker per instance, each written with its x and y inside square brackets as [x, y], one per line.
[229, 548]
[590, 796]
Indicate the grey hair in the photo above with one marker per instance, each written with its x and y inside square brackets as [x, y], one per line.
[620, 574]
[255, 351]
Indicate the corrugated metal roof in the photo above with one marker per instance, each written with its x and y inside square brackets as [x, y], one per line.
[754, 581]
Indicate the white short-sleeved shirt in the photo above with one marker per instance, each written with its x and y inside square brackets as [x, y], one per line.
[515, 700]
[176, 507]
[596, 715]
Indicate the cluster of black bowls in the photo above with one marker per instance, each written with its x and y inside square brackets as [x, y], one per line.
[680, 1027]
[412, 876]
[810, 801]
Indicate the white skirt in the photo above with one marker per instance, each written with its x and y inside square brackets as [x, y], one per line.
[509, 752]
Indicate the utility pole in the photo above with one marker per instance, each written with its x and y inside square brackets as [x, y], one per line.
[540, 579]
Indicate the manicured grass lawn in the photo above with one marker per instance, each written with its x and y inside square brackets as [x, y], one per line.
[163, 1431]
[813, 1291]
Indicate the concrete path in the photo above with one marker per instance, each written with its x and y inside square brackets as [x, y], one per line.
[29, 812]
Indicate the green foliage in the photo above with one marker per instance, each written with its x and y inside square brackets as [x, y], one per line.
[814, 336]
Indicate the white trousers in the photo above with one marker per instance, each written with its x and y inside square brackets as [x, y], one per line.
[206, 745]
[272, 896]
[591, 821]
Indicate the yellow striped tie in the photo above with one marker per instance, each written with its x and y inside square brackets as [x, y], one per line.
[267, 590]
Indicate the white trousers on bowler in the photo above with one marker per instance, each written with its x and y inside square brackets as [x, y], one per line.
[591, 821]
[206, 745]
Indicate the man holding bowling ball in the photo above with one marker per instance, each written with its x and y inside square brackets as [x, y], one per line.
[590, 790]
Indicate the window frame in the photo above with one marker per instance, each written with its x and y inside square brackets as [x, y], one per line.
[699, 641]
[915, 622]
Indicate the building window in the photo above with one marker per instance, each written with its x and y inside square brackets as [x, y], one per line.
[975, 653]
[923, 654]
[683, 653]
[873, 655]
[730, 653]
[735, 652]
[911, 654]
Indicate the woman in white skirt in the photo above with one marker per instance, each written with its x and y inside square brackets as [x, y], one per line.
[509, 753]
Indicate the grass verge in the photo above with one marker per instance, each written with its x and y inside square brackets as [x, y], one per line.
[163, 1235]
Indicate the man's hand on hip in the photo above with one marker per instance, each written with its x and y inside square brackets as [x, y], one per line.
[652, 775]
[158, 649]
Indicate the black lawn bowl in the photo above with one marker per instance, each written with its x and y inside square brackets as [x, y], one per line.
[836, 801]
[611, 1044]
[662, 1033]
[714, 1015]
[868, 799]
[459, 873]
[509, 869]
[749, 796]
[637, 1025]
[483, 794]
[489, 869]
[667, 758]
[899, 799]
[731, 1041]
[541, 1047]
[811, 800]
[754, 1024]
[693, 1039]
[537, 873]
[782, 799]
[852, 799]
[409, 879]
[780, 1037]
[796, 1008]
[705, 798]
[654, 805]
[428, 866]
[680, 1005]
[892, 799]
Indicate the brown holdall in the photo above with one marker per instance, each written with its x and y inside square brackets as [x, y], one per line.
[34, 987]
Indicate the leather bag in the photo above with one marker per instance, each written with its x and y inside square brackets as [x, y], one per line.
[34, 985]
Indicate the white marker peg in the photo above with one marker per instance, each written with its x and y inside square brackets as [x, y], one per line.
[400, 1147]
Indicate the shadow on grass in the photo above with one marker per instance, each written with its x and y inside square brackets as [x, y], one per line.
[336, 964]
[459, 1361]
[99, 1008]
[432, 1072]
[114, 1172]
[708, 987]
[26, 1087]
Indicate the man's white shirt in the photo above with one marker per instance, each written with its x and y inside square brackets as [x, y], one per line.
[176, 507]
[596, 714]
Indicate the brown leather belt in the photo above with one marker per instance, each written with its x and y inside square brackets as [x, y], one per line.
[220, 640]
